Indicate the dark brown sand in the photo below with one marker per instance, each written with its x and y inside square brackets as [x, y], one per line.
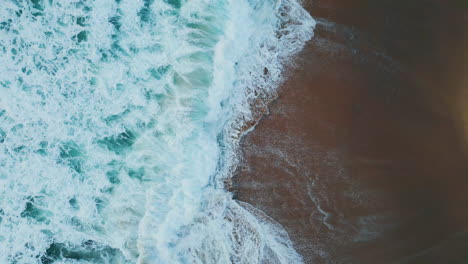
[363, 157]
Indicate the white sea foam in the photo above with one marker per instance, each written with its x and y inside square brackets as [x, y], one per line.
[119, 123]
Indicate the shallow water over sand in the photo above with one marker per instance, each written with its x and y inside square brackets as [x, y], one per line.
[363, 157]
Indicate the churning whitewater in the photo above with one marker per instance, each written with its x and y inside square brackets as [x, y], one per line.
[119, 123]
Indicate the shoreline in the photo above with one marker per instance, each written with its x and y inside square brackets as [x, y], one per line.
[351, 156]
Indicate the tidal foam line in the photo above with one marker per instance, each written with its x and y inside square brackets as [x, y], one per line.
[118, 124]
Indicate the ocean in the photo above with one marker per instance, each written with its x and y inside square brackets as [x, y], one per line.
[120, 123]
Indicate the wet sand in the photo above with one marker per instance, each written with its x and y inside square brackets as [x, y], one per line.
[363, 157]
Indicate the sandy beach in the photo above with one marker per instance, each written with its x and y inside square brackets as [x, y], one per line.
[363, 156]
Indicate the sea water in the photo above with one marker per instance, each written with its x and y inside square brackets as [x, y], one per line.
[119, 124]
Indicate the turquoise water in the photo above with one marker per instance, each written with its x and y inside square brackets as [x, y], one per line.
[119, 123]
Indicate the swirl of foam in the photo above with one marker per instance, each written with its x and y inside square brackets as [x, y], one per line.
[119, 121]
